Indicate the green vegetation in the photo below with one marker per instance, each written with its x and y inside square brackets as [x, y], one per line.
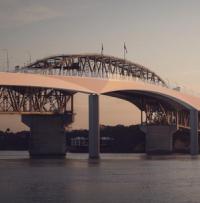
[114, 139]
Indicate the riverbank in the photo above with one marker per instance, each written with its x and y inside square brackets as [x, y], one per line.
[114, 139]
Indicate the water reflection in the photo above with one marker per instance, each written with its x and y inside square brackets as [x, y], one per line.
[114, 178]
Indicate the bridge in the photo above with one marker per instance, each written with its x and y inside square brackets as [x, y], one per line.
[42, 92]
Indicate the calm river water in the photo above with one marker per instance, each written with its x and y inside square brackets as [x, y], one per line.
[115, 178]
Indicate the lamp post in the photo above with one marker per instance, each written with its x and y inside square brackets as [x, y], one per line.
[7, 58]
[29, 57]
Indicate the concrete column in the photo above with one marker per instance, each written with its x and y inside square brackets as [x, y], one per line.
[159, 138]
[194, 145]
[94, 131]
[47, 134]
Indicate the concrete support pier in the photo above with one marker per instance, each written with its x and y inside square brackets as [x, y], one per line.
[47, 134]
[159, 138]
[94, 131]
[194, 145]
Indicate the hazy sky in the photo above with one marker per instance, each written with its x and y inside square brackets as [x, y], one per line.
[163, 35]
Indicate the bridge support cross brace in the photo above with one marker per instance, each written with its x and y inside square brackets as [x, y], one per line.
[94, 131]
[194, 145]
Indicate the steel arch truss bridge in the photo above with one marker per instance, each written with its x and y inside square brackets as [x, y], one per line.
[156, 110]
[93, 65]
[163, 110]
[27, 100]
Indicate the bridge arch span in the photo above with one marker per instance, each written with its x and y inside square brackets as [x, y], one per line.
[130, 95]
[109, 86]
[94, 65]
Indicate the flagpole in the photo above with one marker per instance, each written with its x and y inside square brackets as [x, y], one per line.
[101, 49]
[124, 55]
[101, 53]
[125, 51]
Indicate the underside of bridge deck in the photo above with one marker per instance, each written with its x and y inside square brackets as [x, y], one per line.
[161, 117]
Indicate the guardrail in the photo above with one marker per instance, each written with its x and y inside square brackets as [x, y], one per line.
[170, 85]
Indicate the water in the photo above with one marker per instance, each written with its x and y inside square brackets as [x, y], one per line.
[115, 178]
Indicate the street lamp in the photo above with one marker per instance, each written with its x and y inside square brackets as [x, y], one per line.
[29, 56]
[7, 58]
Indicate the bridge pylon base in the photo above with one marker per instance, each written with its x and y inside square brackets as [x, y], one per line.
[159, 138]
[94, 130]
[47, 138]
[194, 126]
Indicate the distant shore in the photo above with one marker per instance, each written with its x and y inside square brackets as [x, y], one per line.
[114, 139]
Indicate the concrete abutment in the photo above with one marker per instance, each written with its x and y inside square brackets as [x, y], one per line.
[47, 134]
[159, 138]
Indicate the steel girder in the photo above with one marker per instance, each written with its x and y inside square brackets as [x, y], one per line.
[28, 100]
[155, 110]
[93, 65]
[32, 100]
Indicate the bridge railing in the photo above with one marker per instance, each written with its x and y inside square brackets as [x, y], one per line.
[87, 74]
[169, 84]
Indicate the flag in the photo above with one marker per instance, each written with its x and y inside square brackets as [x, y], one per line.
[125, 49]
[102, 49]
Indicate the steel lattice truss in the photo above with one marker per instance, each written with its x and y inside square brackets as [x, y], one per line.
[26, 100]
[29, 100]
[38, 100]
[156, 110]
[93, 65]
[161, 113]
